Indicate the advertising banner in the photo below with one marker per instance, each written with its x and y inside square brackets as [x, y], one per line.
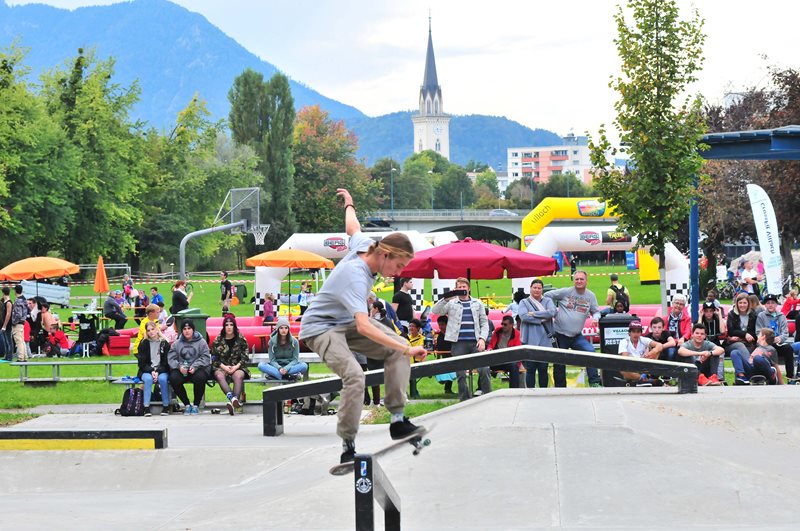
[769, 240]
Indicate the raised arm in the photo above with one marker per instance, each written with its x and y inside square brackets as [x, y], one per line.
[351, 224]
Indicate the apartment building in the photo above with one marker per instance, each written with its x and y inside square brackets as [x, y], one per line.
[542, 162]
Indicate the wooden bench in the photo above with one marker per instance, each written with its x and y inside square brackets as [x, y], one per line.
[56, 365]
[256, 377]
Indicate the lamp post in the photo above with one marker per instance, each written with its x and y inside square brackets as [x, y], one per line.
[391, 178]
[497, 178]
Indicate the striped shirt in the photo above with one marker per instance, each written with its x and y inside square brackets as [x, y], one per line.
[467, 331]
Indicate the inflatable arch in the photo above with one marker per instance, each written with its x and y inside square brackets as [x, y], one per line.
[587, 224]
[334, 246]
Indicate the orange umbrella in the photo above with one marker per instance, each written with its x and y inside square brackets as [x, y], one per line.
[38, 267]
[291, 258]
[100, 278]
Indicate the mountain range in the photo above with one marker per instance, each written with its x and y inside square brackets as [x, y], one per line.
[202, 59]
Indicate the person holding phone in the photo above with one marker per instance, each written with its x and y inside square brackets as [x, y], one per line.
[468, 330]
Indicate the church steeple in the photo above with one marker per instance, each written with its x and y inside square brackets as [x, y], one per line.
[430, 82]
[430, 93]
[431, 124]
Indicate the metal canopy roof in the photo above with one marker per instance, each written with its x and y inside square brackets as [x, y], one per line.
[782, 143]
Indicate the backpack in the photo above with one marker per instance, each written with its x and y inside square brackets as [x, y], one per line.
[19, 311]
[132, 403]
[622, 296]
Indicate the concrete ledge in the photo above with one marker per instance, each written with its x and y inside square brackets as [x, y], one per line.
[83, 440]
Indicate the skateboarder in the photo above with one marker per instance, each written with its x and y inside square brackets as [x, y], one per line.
[338, 323]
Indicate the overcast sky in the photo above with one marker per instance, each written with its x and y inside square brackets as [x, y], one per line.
[542, 63]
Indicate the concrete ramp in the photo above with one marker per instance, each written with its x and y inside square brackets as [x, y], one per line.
[514, 459]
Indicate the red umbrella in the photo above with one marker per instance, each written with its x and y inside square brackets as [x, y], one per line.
[478, 259]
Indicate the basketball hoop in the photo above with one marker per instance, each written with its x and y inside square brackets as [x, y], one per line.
[259, 233]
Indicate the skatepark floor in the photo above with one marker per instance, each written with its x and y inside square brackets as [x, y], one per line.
[513, 459]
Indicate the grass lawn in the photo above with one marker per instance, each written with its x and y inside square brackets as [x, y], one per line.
[15, 395]
[206, 293]
[9, 419]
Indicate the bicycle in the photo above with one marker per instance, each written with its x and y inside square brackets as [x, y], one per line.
[726, 289]
[791, 282]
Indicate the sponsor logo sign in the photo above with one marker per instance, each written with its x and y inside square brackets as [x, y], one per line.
[363, 485]
[591, 208]
[589, 236]
[615, 236]
[337, 244]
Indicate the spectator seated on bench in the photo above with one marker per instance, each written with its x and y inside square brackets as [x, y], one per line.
[284, 354]
[153, 365]
[229, 359]
[189, 360]
[503, 337]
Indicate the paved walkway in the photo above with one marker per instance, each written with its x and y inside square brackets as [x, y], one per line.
[514, 459]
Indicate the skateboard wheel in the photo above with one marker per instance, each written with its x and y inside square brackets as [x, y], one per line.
[426, 442]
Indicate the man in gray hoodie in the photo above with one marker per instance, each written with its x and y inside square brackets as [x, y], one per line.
[574, 305]
[773, 319]
[189, 360]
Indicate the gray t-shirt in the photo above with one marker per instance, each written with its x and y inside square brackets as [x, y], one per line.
[344, 293]
[768, 352]
[573, 310]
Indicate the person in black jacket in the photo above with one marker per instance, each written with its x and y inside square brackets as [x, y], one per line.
[153, 366]
[716, 328]
[180, 300]
[741, 328]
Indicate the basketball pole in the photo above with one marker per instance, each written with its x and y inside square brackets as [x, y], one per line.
[241, 223]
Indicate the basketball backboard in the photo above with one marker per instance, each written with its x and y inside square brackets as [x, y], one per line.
[241, 204]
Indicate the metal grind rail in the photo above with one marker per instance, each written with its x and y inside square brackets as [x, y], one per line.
[684, 372]
[371, 484]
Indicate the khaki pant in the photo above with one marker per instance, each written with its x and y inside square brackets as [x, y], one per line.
[18, 334]
[336, 347]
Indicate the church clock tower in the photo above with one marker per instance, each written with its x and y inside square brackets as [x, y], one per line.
[431, 124]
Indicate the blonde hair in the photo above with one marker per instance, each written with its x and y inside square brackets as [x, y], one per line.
[152, 308]
[153, 324]
[396, 245]
[752, 298]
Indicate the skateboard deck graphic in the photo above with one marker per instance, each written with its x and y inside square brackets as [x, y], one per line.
[417, 440]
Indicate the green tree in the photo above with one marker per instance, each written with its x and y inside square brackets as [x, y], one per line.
[561, 185]
[660, 56]
[94, 112]
[488, 178]
[381, 173]
[414, 187]
[454, 189]
[477, 167]
[519, 193]
[193, 168]
[325, 159]
[262, 116]
[725, 207]
[38, 169]
[435, 162]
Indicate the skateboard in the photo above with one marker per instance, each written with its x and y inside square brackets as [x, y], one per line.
[758, 379]
[417, 440]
